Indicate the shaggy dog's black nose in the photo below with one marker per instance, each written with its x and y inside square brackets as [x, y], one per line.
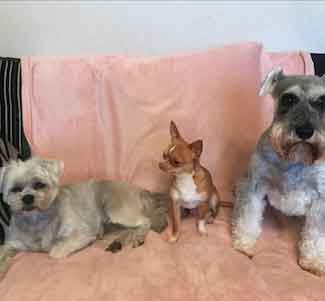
[28, 199]
[304, 132]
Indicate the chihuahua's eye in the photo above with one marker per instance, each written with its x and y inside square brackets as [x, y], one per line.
[319, 103]
[16, 189]
[39, 185]
[287, 101]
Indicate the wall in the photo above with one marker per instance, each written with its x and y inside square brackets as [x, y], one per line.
[156, 27]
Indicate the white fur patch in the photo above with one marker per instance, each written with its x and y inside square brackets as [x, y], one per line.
[187, 190]
[202, 227]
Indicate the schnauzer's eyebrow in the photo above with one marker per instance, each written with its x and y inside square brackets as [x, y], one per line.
[312, 91]
[293, 89]
[316, 91]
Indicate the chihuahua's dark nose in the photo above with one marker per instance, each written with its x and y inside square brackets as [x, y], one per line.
[305, 132]
[28, 199]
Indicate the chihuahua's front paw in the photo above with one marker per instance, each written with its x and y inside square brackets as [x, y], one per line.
[202, 228]
[245, 245]
[314, 265]
[173, 238]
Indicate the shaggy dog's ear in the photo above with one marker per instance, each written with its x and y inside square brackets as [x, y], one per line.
[53, 167]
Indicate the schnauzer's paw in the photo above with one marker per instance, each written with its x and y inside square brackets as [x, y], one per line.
[313, 265]
[114, 247]
[58, 252]
[245, 246]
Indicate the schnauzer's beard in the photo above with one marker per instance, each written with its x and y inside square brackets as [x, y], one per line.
[291, 148]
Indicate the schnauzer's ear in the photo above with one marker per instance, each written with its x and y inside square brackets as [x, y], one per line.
[54, 167]
[270, 81]
[323, 77]
[174, 133]
[197, 147]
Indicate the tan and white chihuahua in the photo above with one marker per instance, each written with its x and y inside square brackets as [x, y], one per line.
[192, 186]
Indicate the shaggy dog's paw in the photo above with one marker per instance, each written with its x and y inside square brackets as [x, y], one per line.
[114, 247]
[245, 246]
[314, 265]
[4, 267]
[138, 243]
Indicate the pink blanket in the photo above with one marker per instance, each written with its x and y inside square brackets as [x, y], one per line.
[108, 117]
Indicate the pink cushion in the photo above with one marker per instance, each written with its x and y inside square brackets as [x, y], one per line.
[194, 269]
[109, 116]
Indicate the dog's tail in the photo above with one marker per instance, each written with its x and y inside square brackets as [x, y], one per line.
[156, 208]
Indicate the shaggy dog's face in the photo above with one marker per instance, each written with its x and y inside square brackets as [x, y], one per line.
[31, 185]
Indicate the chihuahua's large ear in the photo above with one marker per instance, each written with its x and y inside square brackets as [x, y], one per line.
[174, 133]
[270, 81]
[197, 147]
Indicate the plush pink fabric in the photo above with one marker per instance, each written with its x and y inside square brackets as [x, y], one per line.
[194, 269]
[109, 117]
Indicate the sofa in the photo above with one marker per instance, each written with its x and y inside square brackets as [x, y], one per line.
[108, 117]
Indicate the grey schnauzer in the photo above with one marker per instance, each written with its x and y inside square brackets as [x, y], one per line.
[287, 169]
[60, 220]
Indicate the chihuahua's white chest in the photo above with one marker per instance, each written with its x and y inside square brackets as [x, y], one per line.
[186, 191]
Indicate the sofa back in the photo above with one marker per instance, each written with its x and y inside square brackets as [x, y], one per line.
[108, 116]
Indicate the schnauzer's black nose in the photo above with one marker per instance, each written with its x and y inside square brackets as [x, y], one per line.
[304, 132]
[28, 199]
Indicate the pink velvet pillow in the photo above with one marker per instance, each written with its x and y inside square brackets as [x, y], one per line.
[210, 95]
[108, 117]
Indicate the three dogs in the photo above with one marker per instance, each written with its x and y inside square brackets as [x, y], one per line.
[287, 171]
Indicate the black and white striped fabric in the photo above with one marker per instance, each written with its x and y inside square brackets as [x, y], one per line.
[7, 153]
[13, 143]
[11, 118]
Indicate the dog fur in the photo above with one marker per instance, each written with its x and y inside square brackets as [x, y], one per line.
[287, 169]
[192, 186]
[61, 220]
